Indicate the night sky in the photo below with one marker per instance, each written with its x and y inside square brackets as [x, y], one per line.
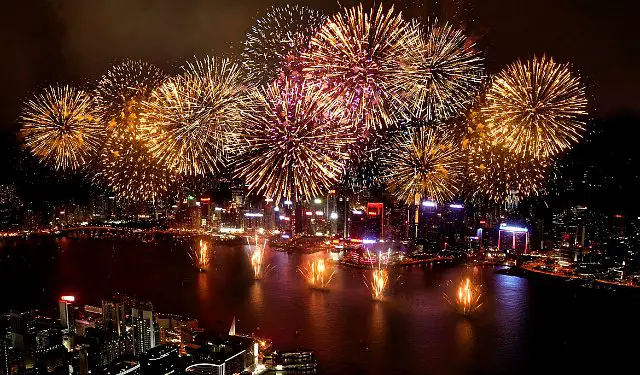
[76, 41]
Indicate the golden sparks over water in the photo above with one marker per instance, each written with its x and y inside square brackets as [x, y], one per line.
[468, 298]
[200, 256]
[318, 275]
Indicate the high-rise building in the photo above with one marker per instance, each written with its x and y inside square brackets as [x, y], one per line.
[343, 213]
[357, 223]
[113, 317]
[67, 313]
[5, 356]
[374, 228]
[146, 333]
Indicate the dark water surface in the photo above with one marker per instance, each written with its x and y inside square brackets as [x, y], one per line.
[525, 326]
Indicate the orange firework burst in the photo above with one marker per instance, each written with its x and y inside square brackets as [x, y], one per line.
[534, 108]
[317, 274]
[423, 162]
[120, 92]
[126, 164]
[60, 128]
[502, 176]
[352, 58]
[292, 144]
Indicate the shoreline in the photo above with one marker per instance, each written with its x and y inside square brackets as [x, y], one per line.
[528, 273]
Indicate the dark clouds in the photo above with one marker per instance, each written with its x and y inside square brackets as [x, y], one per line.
[74, 41]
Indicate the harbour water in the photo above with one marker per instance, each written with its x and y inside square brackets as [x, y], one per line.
[524, 326]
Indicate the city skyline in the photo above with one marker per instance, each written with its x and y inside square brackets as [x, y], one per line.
[438, 186]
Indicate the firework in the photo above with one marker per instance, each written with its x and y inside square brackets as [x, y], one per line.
[317, 274]
[379, 283]
[120, 92]
[363, 170]
[352, 58]
[200, 256]
[468, 298]
[274, 45]
[534, 108]
[59, 127]
[256, 253]
[133, 173]
[502, 176]
[439, 72]
[423, 162]
[189, 120]
[126, 164]
[291, 146]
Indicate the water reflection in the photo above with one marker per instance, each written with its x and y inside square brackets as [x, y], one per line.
[378, 323]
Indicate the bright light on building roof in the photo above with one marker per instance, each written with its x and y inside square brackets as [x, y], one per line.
[510, 228]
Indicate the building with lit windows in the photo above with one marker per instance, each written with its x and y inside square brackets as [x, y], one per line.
[146, 334]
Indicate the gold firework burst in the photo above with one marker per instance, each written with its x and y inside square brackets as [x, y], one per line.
[60, 128]
[189, 120]
[439, 72]
[352, 58]
[423, 162]
[534, 108]
[292, 144]
[274, 45]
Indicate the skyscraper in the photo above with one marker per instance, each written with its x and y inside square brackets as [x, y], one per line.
[66, 313]
[113, 317]
[146, 334]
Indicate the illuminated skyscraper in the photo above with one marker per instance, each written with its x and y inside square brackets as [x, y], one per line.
[146, 334]
[67, 312]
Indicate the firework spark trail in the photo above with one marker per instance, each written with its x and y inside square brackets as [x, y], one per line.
[423, 162]
[291, 145]
[190, 120]
[439, 72]
[352, 58]
[200, 256]
[533, 108]
[468, 298]
[274, 45]
[317, 274]
[256, 255]
[378, 284]
[60, 128]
